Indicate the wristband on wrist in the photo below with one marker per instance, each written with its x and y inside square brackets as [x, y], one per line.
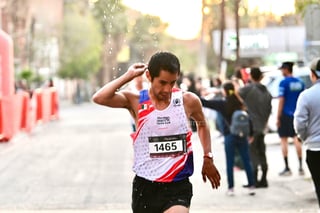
[208, 155]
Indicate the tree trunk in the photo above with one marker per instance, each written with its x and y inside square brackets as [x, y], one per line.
[222, 28]
[236, 12]
[109, 69]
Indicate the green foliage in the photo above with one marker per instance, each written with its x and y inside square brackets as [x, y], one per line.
[117, 26]
[81, 45]
[111, 16]
[26, 74]
[29, 77]
[188, 58]
[37, 79]
[147, 29]
[302, 4]
[147, 35]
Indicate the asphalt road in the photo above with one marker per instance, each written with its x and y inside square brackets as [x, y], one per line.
[82, 163]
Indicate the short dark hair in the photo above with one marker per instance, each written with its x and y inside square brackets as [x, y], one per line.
[287, 65]
[163, 61]
[255, 73]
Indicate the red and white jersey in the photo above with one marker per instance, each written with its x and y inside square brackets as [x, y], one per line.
[162, 145]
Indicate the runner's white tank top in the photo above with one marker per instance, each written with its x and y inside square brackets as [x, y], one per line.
[156, 123]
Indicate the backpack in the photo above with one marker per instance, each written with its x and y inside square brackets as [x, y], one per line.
[240, 123]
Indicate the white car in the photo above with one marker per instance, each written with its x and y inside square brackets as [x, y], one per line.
[271, 80]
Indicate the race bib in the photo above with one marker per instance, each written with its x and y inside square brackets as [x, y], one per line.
[167, 146]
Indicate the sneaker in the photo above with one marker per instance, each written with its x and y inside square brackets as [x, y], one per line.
[230, 192]
[301, 172]
[285, 172]
[262, 184]
[251, 191]
[245, 186]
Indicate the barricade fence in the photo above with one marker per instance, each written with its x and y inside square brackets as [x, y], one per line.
[20, 112]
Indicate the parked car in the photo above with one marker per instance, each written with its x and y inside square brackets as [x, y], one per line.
[271, 80]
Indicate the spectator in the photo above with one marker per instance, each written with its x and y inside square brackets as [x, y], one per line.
[233, 143]
[289, 90]
[258, 102]
[307, 124]
[214, 92]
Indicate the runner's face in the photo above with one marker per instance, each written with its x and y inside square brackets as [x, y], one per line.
[162, 85]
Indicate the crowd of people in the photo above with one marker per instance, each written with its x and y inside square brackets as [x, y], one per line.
[21, 85]
[171, 107]
[297, 118]
[250, 95]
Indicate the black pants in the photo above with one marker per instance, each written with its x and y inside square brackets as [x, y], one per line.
[313, 162]
[258, 154]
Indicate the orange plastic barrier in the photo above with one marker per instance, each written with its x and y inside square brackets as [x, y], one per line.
[28, 119]
[37, 95]
[54, 103]
[6, 65]
[25, 113]
[17, 111]
[46, 104]
[32, 120]
[20, 112]
[11, 113]
[1, 128]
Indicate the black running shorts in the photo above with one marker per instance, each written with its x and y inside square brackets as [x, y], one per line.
[156, 197]
[286, 128]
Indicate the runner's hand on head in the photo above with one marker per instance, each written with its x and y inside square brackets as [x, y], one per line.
[137, 69]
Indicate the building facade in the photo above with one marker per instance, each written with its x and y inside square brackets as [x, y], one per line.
[269, 45]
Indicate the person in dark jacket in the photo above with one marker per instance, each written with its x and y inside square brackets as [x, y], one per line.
[258, 102]
[226, 107]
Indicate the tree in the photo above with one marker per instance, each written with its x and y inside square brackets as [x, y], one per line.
[222, 28]
[237, 22]
[302, 4]
[16, 23]
[147, 35]
[80, 44]
[114, 26]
